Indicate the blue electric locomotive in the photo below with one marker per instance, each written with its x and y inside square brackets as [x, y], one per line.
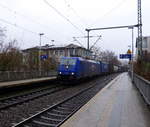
[77, 68]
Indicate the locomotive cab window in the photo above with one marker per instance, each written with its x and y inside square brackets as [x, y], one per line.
[68, 61]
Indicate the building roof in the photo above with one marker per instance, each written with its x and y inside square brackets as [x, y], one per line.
[73, 46]
[53, 47]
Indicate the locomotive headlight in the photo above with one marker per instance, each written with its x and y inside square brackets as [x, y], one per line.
[72, 73]
[59, 72]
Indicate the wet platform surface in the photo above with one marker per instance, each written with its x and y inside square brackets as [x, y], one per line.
[24, 82]
[119, 104]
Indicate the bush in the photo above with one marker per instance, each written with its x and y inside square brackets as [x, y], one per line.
[10, 57]
[142, 68]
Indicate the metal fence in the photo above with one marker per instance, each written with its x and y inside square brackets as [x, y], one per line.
[12, 76]
[144, 87]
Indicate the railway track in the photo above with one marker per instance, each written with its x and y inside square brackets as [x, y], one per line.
[19, 99]
[56, 114]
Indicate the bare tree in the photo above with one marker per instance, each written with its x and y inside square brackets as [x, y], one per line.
[49, 64]
[106, 56]
[142, 67]
[31, 60]
[109, 57]
[2, 37]
[10, 57]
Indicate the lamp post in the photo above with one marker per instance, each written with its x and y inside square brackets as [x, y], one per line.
[132, 68]
[40, 34]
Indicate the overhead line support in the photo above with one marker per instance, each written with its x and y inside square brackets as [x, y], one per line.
[139, 39]
[105, 28]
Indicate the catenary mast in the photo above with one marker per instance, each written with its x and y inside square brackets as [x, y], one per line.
[139, 41]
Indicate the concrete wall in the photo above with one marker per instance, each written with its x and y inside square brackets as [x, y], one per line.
[13, 76]
[144, 87]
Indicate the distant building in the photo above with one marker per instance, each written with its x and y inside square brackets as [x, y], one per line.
[145, 45]
[59, 51]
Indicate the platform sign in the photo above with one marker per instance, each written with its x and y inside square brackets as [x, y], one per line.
[129, 51]
[43, 57]
[125, 56]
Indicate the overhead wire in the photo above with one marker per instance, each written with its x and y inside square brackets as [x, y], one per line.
[75, 39]
[111, 10]
[74, 11]
[63, 16]
[24, 16]
[20, 27]
[15, 25]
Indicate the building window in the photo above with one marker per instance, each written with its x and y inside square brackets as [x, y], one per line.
[71, 52]
[66, 52]
[144, 45]
[56, 53]
[76, 52]
[61, 53]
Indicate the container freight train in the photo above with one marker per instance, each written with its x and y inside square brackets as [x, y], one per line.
[77, 68]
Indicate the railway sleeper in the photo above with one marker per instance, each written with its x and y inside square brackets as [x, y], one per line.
[46, 122]
[56, 116]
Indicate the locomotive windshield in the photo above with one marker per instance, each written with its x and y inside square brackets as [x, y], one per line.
[68, 61]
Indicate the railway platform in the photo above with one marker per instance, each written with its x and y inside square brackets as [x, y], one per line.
[119, 104]
[10, 84]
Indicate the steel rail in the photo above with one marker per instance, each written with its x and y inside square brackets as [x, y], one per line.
[7, 103]
[55, 106]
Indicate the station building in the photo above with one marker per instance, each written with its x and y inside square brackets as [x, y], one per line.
[145, 46]
[50, 51]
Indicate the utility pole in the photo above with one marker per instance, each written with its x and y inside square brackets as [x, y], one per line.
[88, 39]
[139, 39]
[41, 34]
[132, 55]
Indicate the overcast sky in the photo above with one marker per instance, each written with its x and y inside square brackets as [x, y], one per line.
[60, 20]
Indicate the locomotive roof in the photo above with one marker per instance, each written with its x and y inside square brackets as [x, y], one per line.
[81, 59]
